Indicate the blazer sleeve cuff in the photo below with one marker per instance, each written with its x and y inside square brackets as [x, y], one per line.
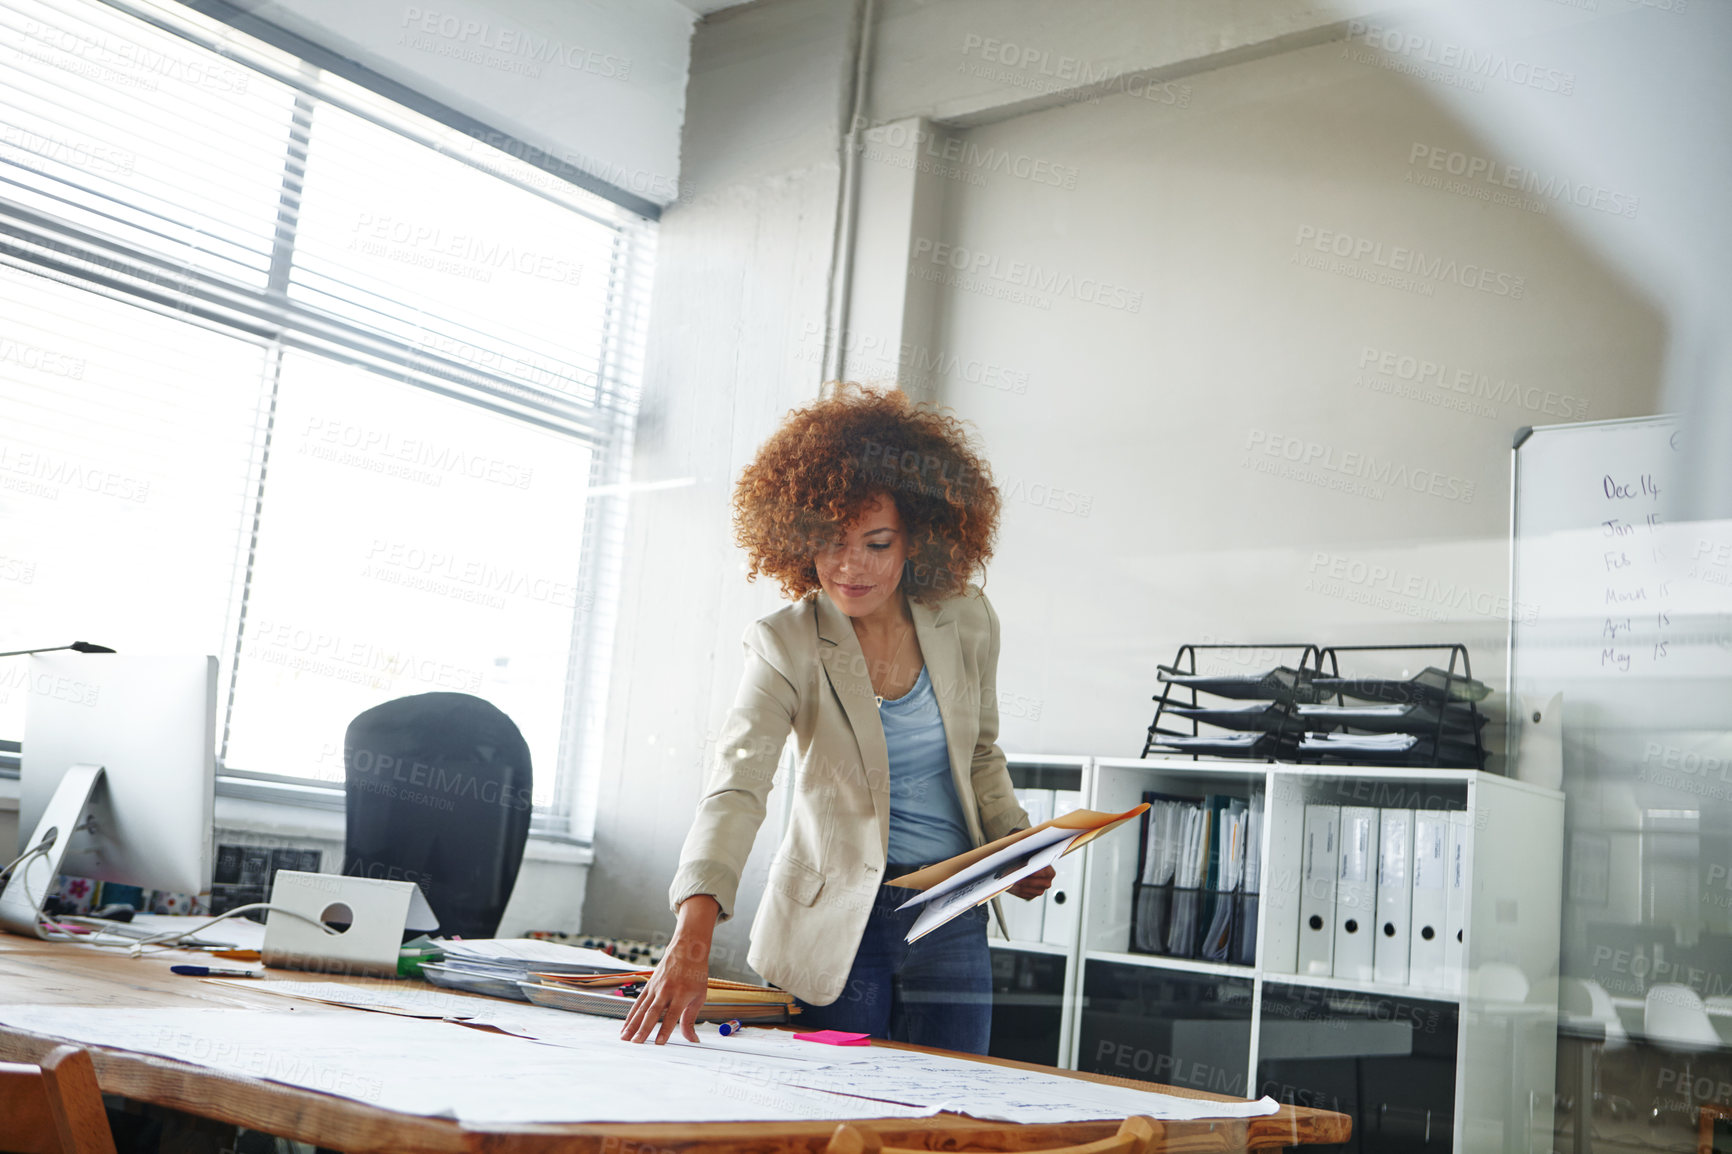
[705, 877]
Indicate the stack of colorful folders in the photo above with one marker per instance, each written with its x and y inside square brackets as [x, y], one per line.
[613, 995]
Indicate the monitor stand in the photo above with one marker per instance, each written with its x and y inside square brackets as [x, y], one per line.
[19, 912]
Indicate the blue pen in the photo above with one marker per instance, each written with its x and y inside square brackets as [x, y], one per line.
[731, 1026]
[207, 972]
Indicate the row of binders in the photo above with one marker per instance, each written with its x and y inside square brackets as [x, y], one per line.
[1195, 894]
[1380, 896]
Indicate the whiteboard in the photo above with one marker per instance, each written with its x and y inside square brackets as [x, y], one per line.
[1626, 609]
[1627, 612]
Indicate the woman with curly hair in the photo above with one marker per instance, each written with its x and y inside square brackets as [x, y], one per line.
[872, 514]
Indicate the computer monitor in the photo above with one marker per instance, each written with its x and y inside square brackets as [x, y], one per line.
[148, 724]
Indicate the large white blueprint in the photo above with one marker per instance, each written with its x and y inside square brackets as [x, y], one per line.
[553, 1066]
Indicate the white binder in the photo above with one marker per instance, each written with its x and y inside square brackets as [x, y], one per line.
[1317, 890]
[1455, 903]
[1394, 896]
[1282, 877]
[1063, 902]
[1356, 894]
[1023, 920]
[1430, 899]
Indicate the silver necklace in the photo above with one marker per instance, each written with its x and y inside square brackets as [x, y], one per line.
[879, 697]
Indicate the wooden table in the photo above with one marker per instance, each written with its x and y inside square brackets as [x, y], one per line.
[50, 973]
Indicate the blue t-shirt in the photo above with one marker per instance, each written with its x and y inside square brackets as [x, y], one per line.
[926, 821]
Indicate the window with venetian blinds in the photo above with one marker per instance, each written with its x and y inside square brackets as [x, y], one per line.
[299, 377]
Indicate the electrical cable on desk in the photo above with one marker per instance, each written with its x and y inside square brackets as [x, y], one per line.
[39, 848]
[43, 926]
[22, 862]
[168, 938]
[136, 947]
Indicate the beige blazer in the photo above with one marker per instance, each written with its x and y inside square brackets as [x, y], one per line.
[805, 672]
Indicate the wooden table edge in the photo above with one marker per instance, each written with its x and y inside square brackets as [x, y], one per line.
[359, 1127]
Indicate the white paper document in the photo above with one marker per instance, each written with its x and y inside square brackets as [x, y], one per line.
[538, 1023]
[1005, 1094]
[980, 881]
[437, 1069]
[991, 863]
[412, 999]
[1025, 921]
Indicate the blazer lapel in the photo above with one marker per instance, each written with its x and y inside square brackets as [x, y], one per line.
[936, 631]
[845, 665]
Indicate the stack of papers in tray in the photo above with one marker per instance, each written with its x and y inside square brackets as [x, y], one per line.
[1429, 684]
[496, 966]
[1261, 716]
[1412, 717]
[1339, 744]
[1247, 745]
[1390, 749]
[1282, 683]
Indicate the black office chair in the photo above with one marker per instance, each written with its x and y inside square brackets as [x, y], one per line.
[439, 792]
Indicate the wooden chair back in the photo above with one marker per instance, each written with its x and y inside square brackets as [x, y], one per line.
[1137, 1135]
[1708, 1114]
[54, 1108]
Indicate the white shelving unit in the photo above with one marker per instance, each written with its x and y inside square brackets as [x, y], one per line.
[1504, 1040]
[1051, 772]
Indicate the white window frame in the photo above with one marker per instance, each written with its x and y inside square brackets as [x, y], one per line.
[570, 818]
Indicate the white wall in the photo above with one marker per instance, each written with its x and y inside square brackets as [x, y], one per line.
[1646, 113]
[965, 62]
[1193, 146]
[1139, 516]
[598, 83]
[742, 267]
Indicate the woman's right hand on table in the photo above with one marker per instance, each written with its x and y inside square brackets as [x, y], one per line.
[676, 992]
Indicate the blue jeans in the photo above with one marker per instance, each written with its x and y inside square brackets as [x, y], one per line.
[935, 992]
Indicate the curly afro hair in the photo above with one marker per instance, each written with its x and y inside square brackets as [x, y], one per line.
[829, 460]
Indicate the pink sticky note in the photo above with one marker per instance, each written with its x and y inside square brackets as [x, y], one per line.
[834, 1038]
